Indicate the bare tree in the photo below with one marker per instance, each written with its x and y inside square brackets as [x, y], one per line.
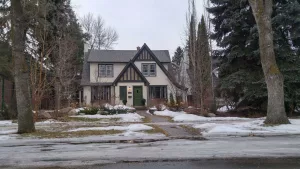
[64, 69]
[100, 37]
[21, 69]
[262, 11]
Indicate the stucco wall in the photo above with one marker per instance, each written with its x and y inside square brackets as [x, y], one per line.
[117, 68]
[87, 94]
[130, 100]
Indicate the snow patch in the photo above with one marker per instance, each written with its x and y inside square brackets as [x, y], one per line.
[131, 127]
[184, 117]
[225, 109]
[255, 127]
[6, 122]
[130, 117]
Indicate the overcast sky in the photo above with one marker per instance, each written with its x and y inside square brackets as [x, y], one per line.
[159, 23]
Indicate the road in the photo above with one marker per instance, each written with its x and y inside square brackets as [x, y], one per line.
[47, 153]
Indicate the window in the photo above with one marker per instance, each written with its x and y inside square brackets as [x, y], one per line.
[123, 92]
[106, 71]
[149, 69]
[158, 92]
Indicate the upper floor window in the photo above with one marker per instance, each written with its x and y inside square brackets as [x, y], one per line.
[149, 69]
[106, 70]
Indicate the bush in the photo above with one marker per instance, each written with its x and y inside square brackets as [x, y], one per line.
[115, 111]
[172, 101]
[89, 111]
[124, 102]
[143, 102]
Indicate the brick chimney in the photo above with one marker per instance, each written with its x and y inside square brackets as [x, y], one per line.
[138, 48]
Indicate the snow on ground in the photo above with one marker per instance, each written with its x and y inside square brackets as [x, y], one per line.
[118, 107]
[131, 127]
[129, 117]
[49, 121]
[184, 117]
[5, 122]
[255, 127]
[225, 109]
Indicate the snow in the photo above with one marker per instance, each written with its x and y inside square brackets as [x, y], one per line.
[184, 117]
[254, 127]
[49, 121]
[5, 122]
[118, 107]
[131, 127]
[167, 113]
[129, 117]
[12, 131]
[79, 109]
[225, 109]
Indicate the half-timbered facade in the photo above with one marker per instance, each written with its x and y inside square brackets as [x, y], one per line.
[132, 75]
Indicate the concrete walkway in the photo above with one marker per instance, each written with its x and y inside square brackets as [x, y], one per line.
[173, 130]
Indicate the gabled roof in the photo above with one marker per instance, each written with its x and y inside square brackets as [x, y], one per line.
[131, 64]
[123, 56]
[171, 78]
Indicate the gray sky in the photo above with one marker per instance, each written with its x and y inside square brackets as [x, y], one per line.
[159, 23]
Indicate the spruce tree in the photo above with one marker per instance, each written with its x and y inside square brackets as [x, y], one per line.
[236, 35]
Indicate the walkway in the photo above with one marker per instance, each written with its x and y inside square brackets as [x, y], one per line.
[172, 130]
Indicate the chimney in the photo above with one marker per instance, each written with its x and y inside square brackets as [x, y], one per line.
[138, 48]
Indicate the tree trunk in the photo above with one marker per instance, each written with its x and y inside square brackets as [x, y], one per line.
[262, 11]
[21, 70]
[57, 95]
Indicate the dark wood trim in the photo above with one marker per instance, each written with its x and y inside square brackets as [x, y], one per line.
[131, 64]
[171, 78]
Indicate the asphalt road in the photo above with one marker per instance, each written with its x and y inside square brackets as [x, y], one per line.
[219, 164]
[35, 154]
[203, 164]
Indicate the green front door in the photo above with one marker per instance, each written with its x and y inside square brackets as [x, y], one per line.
[137, 95]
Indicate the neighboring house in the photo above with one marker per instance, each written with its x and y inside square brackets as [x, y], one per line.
[133, 75]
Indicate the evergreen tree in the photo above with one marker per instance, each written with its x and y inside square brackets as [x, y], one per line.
[178, 56]
[235, 31]
[203, 64]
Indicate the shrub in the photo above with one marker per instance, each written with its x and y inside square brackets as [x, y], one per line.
[89, 111]
[124, 102]
[172, 101]
[143, 102]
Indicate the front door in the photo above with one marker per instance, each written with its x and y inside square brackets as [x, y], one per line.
[137, 95]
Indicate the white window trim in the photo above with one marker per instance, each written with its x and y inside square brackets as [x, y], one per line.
[147, 74]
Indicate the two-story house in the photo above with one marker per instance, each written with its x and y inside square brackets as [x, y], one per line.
[133, 75]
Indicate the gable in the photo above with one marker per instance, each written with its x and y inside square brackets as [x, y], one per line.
[130, 73]
[144, 55]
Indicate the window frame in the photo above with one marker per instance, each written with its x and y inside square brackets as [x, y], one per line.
[148, 73]
[163, 91]
[106, 70]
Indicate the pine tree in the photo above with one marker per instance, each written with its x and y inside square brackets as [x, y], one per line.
[235, 32]
[178, 56]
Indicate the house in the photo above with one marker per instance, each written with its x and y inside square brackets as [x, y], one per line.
[133, 75]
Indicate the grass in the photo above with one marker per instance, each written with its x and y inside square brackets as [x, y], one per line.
[83, 119]
[156, 129]
[170, 119]
[49, 134]
[191, 130]
[147, 120]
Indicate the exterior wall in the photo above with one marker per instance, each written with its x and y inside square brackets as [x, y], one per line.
[130, 100]
[160, 78]
[87, 94]
[117, 68]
